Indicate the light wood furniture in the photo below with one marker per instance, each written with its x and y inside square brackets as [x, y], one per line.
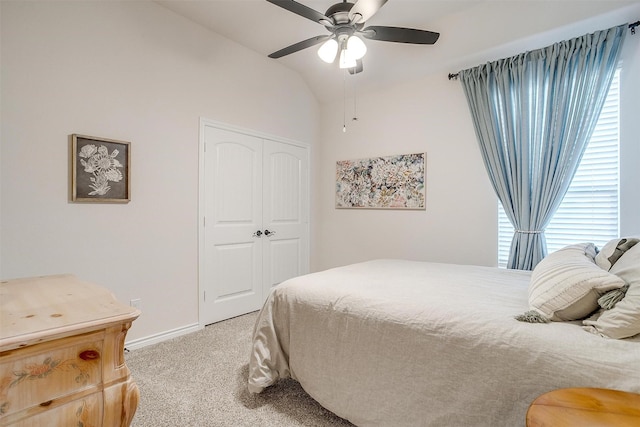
[62, 354]
[585, 407]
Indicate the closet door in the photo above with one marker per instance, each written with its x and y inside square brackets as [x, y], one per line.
[232, 270]
[254, 209]
[285, 213]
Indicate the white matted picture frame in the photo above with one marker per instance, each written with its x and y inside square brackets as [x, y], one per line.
[100, 170]
[391, 182]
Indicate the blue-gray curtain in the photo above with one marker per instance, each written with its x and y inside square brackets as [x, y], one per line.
[533, 115]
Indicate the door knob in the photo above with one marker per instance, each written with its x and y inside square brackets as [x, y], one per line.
[257, 233]
[269, 233]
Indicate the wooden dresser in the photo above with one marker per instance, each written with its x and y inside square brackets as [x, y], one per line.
[62, 354]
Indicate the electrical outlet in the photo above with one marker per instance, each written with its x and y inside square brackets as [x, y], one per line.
[137, 303]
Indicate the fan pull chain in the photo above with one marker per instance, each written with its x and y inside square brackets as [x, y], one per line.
[355, 101]
[344, 101]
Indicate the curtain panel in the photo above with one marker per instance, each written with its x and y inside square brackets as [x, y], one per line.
[533, 115]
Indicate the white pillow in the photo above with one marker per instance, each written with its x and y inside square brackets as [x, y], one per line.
[623, 320]
[567, 283]
[613, 250]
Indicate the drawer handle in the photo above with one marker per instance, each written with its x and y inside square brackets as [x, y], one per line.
[89, 355]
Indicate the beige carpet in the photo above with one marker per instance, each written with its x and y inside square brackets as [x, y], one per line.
[199, 380]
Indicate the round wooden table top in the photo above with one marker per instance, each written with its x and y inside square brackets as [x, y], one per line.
[585, 407]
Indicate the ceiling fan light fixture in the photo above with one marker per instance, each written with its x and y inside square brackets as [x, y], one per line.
[346, 60]
[328, 51]
[356, 47]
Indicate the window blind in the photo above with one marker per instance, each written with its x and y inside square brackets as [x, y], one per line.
[589, 210]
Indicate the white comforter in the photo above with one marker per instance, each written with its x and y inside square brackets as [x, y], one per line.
[403, 343]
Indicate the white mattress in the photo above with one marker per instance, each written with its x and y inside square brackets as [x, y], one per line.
[403, 343]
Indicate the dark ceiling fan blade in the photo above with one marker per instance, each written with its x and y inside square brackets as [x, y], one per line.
[300, 9]
[358, 68]
[366, 9]
[400, 35]
[299, 46]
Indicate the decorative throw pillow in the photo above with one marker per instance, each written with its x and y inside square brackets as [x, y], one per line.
[623, 320]
[613, 250]
[566, 285]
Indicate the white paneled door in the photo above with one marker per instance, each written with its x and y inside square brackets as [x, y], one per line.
[254, 231]
[285, 213]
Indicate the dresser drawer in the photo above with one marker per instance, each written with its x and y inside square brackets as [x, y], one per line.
[45, 375]
[85, 412]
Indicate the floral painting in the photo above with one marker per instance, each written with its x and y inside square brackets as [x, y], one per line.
[100, 169]
[393, 182]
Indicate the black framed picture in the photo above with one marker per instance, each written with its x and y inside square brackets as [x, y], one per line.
[100, 170]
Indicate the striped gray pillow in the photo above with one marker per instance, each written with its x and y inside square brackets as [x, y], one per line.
[567, 283]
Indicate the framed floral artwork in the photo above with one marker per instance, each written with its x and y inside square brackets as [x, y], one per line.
[392, 182]
[100, 170]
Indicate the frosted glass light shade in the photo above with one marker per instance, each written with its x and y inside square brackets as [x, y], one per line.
[346, 60]
[328, 51]
[356, 47]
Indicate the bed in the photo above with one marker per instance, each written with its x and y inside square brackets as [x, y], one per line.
[406, 343]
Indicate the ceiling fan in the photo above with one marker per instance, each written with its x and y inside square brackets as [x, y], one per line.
[345, 21]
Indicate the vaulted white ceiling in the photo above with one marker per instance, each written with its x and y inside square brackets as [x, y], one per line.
[467, 28]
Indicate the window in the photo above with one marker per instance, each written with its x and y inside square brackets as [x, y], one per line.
[589, 210]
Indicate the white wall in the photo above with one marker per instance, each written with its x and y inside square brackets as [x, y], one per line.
[630, 133]
[431, 115]
[137, 72]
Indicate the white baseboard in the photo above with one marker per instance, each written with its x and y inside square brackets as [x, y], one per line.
[163, 336]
